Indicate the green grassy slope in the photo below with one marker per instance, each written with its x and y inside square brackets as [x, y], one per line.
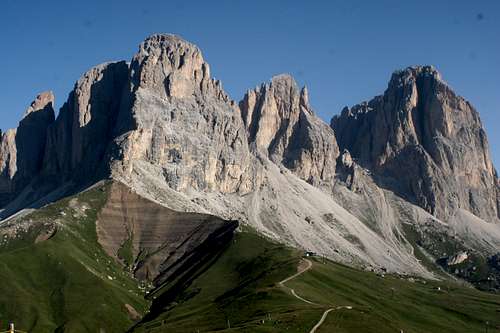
[241, 289]
[55, 277]
[66, 283]
[391, 304]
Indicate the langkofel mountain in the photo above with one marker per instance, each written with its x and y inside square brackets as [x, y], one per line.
[401, 184]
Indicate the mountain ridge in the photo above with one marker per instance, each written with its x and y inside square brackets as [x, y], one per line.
[162, 126]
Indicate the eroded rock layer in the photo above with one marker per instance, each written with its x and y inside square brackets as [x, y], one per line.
[154, 240]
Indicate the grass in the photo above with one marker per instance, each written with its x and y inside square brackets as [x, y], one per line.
[391, 304]
[66, 283]
[125, 251]
[241, 290]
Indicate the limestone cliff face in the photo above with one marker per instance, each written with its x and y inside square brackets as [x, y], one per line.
[21, 149]
[78, 139]
[426, 143]
[180, 126]
[280, 123]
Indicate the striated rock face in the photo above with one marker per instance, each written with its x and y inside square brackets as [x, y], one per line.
[21, 149]
[154, 241]
[425, 142]
[77, 141]
[180, 125]
[280, 123]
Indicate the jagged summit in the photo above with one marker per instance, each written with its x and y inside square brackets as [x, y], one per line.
[163, 39]
[43, 100]
[173, 67]
[417, 70]
[398, 80]
[22, 149]
[280, 124]
[423, 136]
[280, 97]
[80, 136]
[283, 78]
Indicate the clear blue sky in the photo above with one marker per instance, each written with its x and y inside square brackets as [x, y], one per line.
[344, 51]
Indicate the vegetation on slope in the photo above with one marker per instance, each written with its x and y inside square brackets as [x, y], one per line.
[240, 293]
[476, 268]
[56, 277]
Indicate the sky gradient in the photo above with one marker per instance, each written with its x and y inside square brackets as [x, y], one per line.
[344, 51]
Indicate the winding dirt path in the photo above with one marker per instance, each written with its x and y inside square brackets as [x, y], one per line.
[301, 270]
[323, 317]
[304, 266]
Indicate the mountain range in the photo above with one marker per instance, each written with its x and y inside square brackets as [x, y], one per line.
[401, 184]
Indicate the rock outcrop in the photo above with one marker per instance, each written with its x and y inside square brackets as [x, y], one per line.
[78, 140]
[280, 124]
[180, 125]
[22, 149]
[425, 142]
[154, 241]
[8, 165]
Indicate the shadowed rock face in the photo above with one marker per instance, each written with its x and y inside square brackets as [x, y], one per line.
[79, 138]
[426, 141]
[22, 149]
[156, 241]
[281, 124]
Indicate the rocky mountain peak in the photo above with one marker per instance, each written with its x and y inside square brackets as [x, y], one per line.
[172, 67]
[423, 136]
[402, 76]
[184, 131]
[271, 108]
[43, 100]
[283, 85]
[304, 97]
[22, 148]
[280, 124]
[77, 140]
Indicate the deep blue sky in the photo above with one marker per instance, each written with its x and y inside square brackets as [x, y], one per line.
[344, 51]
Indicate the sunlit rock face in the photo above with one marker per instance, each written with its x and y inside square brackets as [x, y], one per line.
[426, 143]
[280, 123]
[180, 126]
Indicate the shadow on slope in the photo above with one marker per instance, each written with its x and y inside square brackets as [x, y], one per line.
[67, 268]
[240, 293]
